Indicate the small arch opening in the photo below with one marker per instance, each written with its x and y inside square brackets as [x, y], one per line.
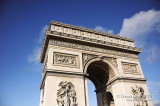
[109, 99]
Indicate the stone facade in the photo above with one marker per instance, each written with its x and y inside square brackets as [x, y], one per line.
[71, 55]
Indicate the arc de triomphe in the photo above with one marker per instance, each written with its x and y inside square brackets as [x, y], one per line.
[73, 54]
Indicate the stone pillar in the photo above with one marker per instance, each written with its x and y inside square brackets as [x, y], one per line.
[64, 89]
[86, 92]
[99, 98]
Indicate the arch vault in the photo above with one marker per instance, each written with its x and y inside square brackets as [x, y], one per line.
[73, 54]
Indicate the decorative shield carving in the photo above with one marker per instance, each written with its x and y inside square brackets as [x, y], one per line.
[66, 95]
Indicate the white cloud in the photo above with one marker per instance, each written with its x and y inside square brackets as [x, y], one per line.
[100, 28]
[144, 27]
[141, 23]
[35, 56]
[41, 36]
[153, 51]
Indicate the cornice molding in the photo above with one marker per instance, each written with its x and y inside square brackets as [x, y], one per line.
[122, 79]
[51, 34]
[90, 40]
[90, 47]
[51, 72]
[89, 30]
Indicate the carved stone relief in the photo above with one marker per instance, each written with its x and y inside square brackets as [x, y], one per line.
[113, 61]
[66, 59]
[138, 96]
[111, 74]
[130, 68]
[87, 57]
[66, 95]
[91, 48]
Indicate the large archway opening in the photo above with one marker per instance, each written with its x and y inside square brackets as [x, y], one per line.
[99, 73]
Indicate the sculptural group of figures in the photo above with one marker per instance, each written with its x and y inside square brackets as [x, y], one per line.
[139, 97]
[66, 95]
[62, 59]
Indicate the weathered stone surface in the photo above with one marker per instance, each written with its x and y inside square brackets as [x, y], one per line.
[72, 54]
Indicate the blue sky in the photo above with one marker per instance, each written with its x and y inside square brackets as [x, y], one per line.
[22, 25]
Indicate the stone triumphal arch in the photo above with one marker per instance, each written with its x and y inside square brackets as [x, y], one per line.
[73, 54]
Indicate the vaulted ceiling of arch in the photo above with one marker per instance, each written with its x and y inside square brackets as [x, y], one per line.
[99, 73]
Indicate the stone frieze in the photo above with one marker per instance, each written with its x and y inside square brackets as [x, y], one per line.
[91, 48]
[131, 68]
[89, 33]
[66, 59]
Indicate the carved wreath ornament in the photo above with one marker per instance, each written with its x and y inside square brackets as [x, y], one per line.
[139, 97]
[66, 95]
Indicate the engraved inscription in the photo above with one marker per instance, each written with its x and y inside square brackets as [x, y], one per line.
[130, 68]
[66, 59]
[66, 95]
